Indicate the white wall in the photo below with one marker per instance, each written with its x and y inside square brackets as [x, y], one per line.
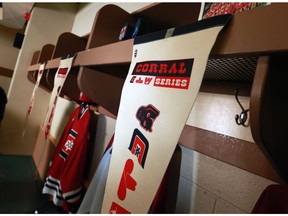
[5, 83]
[47, 22]
[208, 185]
[8, 54]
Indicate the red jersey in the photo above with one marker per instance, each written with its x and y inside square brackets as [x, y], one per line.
[66, 173]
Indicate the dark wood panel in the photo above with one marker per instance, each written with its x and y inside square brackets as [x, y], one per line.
[39, 57]
[107, 25]
[6, 72]
[239, 153]
[46, 53]
[67, 44]
[167, 15]
[35, 57]
[254, 32]
[269, 105]
[101, 87]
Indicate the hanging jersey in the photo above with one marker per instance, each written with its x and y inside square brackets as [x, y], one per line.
[66, 173]
[93, 198]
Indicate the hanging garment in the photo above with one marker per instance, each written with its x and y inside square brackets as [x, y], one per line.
[3, 102]
[67, 167]
[93, 198]
[273, 200]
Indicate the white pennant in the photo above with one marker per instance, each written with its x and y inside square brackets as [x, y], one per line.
[59, 80]
[39, 76]
[158, 94]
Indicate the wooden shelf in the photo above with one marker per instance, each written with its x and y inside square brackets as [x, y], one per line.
[258, 32]
[38, 58]
[237, 152]
[53, 63]
[269, 37]
[116, 53]
[67, 44]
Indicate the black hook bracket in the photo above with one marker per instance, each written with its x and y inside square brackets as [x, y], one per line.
[242, 117]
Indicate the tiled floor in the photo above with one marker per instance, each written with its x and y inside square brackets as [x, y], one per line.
[20, 190]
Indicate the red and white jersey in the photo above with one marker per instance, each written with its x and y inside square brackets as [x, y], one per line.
[66, 173]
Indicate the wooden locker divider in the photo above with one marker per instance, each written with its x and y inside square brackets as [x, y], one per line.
[107, 25]
[269, 107]
[103, 88]
[67, 44]
[38, 58]
[34, 61]
[99, 81]
[163, 16]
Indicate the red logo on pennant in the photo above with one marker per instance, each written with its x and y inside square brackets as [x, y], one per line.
[127, 181]
[117, 209]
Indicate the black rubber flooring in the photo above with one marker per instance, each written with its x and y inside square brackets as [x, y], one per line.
[20, 190]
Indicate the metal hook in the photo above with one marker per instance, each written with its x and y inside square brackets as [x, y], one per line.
[242, 118]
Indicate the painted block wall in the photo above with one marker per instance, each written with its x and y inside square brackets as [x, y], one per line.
[210, 186]
[8, 54]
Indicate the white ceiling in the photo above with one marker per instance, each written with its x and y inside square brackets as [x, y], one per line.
[13, 14]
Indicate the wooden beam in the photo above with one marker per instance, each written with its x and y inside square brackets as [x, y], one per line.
[237, 152]
[6, 72]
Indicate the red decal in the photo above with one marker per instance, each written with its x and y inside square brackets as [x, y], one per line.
[127, 181]
[62, 72]
[139, 80]
[139, 146]
[147, 115]
[117, 209]
[147, 80]
[168, 82]
[171, 68]
[133, 79]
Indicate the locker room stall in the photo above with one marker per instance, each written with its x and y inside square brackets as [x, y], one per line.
[224, 166]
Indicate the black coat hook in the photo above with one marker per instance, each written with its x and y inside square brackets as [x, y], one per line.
[242, 117]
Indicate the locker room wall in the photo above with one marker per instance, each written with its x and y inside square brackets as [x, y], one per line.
[47, 22]
[208, 185]
[8, 54]
[5, 83]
